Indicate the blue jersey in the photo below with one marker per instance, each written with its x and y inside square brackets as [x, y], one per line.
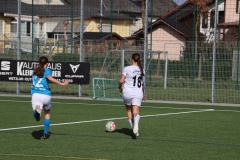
[41, 85]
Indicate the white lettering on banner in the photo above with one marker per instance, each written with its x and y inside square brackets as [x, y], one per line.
[5, 65]
[74, 76]
[54, 66]
[28, 79]
[25, 72]
[63, 80]
[28, 66]
[6, 73]
[74, 68]
[15, 78]
[56, 73]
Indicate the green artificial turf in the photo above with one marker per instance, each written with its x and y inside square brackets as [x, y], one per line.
[167, 131]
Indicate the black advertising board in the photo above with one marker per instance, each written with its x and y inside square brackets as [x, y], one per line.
[21, 71]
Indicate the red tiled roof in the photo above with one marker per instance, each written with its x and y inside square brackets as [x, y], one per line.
[176, 9]
[175, 25]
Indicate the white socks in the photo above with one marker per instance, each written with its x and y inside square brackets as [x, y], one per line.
[136, 117]
[130, 122]
[134, 124]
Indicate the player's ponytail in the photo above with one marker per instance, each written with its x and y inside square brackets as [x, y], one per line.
[136, 58]
[40, 69]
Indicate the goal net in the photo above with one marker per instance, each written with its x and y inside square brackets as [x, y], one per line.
[106, 89]
[105, 86]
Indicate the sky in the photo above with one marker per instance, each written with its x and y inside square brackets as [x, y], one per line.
[179, 1]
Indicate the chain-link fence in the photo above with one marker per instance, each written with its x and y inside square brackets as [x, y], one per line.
[184, 45]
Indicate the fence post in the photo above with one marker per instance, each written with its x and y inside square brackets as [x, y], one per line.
[145, 41]
[19, 39]
[214, 51]
[81, 41]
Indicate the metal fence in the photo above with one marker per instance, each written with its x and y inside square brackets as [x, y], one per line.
[186, 57]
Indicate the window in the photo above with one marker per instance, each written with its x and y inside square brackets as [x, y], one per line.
[237, 6]
[204, 22]
[28, 28]
[212, 18]
[23, 28]
[221, 17]
[1, 26]
[50, 34]
[106, 28]
[13, 27]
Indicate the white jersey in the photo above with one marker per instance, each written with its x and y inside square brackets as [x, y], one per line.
[133, 82]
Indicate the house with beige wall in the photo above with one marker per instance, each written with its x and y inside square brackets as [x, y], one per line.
[228, 17]
[168, 40]
[5, 30]
[231, 20]
[4, 27]
[54, 19]
[120, 26]
[99, 42]
[170, 32]
[206, 26]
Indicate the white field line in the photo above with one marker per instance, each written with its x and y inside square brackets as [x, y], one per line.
[15, 101]
[226, 110]
[109, 119]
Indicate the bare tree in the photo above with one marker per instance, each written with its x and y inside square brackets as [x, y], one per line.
[201, 9]
[143, 10]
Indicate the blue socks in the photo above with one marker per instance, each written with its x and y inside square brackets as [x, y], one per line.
[46, 121]
[46, 125]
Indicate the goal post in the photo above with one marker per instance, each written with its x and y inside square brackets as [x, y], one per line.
[105, 86]
[61, 39]
[105, 89]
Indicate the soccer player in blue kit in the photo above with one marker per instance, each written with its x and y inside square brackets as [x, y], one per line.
[41, 94]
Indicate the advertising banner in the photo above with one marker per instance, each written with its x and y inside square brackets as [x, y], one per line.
[21, 71]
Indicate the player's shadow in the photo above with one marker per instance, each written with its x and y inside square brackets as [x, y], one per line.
[126, 131]
[37, 134]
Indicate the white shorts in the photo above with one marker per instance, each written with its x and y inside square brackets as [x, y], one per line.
[132, 101]
[42, 100]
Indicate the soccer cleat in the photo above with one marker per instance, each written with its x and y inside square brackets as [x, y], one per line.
[137, 135]
[46, 136]
[135, 128]
[37, 119]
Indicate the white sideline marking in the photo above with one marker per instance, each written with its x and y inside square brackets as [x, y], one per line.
[227, 111]
[105, 105]
[100, 120]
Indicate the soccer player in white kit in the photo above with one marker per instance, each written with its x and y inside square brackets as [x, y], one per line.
[41, 94]
[131, 85]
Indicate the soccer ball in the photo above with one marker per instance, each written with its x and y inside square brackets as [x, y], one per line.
[110, 126]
